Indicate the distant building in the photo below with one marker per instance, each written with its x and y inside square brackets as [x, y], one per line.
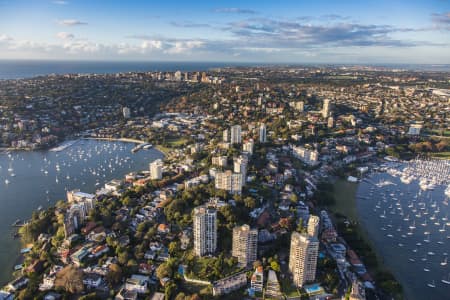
[245, 242]
[226, 136]
[220, 161]
[313, 226]
[236, 134]
[205, 230]
[248, 146]
[156, 170]
[326, 108]
[126, 112]
[229, 181]
[415, 129]
[240, 166]
[310, 157]
[303, 258]
[262, 133]
[330, 122]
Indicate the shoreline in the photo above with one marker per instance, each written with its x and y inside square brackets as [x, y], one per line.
[350, 210]
[18, 257]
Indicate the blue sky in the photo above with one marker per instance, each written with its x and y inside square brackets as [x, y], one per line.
[297, 31]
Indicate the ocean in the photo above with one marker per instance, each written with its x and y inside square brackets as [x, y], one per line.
[17, 69]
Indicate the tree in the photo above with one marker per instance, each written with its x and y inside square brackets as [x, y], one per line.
[70, 279]
[164, 270]
[250, 202]
[170, 290]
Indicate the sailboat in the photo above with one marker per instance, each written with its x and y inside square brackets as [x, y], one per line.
[446, 280]
[444, 262]
[432, 284]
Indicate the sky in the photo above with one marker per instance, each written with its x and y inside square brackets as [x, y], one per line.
[297, 31]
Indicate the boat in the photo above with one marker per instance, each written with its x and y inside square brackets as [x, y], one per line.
[6, 181]
[446, 280]
[432, 284]
[147, 146]
[426, 269]
[16, 222]
[444, 262]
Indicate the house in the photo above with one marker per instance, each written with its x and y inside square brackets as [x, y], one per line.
[92, 280]
[18, 284]
[163, 228]
[137, 283]
[124, 294]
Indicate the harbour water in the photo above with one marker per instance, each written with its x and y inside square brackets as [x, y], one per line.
[32, 180]
[410, 229]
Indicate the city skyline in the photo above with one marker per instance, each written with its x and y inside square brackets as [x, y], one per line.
[320, 32]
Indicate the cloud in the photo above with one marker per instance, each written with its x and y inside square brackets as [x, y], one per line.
[71, 22]
[235, 10]
[65, 35]
[441, 21]
[5, 38]
[189, 24]
[60, 2]
[293, 34]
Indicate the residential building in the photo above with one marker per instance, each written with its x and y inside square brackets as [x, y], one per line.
[310, 157]
[156, 169]
[313, 226]
[229, 284]
[262, 133]
[273, 286]
[326, 108]
[226, 136]
[229, 181]
[220, 161]
[303, 258]
[248, 146]
[236, 134]
[205, 230]
[126, 112]
[257, 280]
[245, 242]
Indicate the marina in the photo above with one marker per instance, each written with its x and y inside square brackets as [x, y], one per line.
[405, 211]
[41, 178]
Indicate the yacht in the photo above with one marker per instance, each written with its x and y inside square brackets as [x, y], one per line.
[432, 284]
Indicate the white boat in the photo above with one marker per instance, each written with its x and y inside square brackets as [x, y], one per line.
[432, 284]
[446, 280]
[6, 181]
[444, 262]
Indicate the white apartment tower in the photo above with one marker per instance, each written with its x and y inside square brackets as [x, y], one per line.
[229, 181]
[245, 242]
[262, 133]
[303, 258]
[126, 112]
[235, 134]
[326, 108]
[240, 166]
[313, 226]
[156, 169]
[226, 136]
[205, 230]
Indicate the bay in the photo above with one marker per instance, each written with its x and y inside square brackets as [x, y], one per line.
[40, 178]
[405, 225]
